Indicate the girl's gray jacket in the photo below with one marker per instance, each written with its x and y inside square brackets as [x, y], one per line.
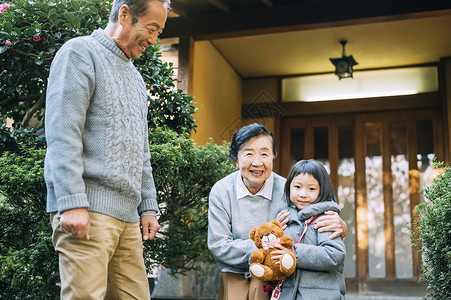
[319, 260]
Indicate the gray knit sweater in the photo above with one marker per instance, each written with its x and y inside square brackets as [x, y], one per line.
[96, 130]
[230, 220]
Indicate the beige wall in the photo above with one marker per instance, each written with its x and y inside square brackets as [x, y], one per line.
[260, 91]
[217, 90]
[254, 90]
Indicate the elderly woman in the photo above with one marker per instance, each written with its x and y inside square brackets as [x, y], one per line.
[243, 200]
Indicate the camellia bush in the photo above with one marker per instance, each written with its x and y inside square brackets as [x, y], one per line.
[31, 32]
[434, 238]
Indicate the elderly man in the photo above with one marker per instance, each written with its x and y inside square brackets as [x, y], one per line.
[97, 169]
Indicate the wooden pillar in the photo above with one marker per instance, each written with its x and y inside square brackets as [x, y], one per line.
[361, 202]
[334, 157]
[387, 181]
[445, 97]
[185, 68]
[414, 189]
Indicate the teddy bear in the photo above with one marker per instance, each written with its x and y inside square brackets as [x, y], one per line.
[263, 267]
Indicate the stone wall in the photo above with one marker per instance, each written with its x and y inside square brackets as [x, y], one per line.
[193, 285]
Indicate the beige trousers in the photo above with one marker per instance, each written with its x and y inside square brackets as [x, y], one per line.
[237, 287]
[109, 265]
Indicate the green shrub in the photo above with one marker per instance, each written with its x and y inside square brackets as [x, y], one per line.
[29, 265]
[168, 106]
[435, 236]
[12, 139]
[31, 32]
[184, 174]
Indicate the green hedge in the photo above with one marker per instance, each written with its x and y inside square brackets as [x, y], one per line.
[183, 173]
[435, 236]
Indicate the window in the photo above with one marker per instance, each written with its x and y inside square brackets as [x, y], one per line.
[366, 84]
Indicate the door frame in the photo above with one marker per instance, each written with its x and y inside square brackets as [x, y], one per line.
[379, 111]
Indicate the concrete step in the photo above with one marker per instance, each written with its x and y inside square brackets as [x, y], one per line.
[348, 297]
[361, 297]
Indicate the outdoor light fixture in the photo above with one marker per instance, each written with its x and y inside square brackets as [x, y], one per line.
[343, 65]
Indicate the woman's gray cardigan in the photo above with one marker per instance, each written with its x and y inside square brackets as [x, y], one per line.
[230, 220]
[319, 260]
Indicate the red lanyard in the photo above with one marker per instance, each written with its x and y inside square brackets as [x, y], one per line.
[276, 292]
[306, 223]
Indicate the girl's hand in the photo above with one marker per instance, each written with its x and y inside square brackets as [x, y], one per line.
[282, 217]
[280, 250]
[331, 222]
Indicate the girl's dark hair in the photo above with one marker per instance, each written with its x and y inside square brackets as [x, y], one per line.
[319, 172]
[244, 134]
[137, 8]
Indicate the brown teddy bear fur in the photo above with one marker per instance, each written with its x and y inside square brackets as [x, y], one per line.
[262, 257]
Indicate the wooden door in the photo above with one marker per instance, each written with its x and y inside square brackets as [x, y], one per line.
[377, 163]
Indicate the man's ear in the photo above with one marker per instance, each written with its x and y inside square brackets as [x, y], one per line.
[124, 14]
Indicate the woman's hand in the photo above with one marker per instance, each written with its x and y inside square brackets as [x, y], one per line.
[282, 217]
[279, 251]
[331, 222]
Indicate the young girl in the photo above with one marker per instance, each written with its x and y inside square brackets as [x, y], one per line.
[319, 260]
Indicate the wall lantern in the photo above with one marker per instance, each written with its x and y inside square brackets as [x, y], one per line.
[343, 65]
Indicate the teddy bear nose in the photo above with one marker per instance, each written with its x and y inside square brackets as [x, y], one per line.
[266, 234]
